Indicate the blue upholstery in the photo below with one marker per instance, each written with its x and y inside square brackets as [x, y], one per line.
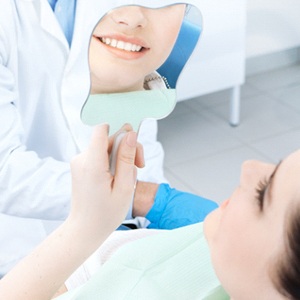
[184, 46]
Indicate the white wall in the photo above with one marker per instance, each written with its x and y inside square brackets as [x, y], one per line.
[218, 62]
[272, 26]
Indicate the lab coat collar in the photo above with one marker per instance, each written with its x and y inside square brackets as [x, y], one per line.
[47, 17]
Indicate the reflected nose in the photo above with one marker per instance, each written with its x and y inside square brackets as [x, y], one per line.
[130, 16]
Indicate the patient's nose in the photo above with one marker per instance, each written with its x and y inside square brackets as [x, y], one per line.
[130, 16]
[254, 171]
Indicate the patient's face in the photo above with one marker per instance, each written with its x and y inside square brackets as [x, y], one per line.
[246, 234]
[129, 43]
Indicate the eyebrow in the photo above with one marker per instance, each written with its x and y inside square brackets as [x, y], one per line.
[270, 183]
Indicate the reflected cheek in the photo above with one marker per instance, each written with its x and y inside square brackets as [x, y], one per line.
[158, 57]
[164, 48]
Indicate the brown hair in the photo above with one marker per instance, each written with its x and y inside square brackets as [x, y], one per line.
[288, 268]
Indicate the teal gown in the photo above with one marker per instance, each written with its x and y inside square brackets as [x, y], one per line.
[173, 264]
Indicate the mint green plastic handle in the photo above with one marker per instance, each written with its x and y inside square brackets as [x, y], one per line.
[116, 109]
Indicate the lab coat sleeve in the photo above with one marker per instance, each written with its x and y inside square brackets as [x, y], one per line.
[29, 186]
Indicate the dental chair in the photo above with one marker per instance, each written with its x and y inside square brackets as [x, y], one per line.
[187, 39]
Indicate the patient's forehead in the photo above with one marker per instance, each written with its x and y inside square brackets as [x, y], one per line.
[295, 156]
[291, 167]
[287, 180]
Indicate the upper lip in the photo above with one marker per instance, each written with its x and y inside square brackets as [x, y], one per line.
[125, 39]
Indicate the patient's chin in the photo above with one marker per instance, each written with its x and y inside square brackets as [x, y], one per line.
[211, 225]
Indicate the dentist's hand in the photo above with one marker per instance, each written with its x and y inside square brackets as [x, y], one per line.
[168, 208]
[174, 209]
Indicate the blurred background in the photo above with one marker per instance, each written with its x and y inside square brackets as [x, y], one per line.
[238, 96]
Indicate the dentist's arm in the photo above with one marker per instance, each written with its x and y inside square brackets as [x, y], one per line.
[99, 204]
[168, 208]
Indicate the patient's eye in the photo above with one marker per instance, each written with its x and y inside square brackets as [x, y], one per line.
[260, 192]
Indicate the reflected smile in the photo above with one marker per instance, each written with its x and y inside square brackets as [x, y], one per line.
[130, 47]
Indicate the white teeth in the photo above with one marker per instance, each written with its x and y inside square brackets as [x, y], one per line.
[128, 47]
[121, 45]
[113, 43]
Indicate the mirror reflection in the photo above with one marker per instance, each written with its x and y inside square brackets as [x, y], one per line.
[135, 56]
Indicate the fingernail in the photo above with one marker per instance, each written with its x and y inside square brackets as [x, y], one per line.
[131, 139]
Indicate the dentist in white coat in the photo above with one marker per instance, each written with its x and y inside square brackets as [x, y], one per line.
[44, 81]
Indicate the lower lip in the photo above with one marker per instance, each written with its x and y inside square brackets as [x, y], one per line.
[128, 55]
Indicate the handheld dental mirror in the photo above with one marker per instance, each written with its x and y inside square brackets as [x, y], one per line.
[158, 100]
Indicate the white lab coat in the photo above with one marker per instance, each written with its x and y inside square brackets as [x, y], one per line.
[43, 85]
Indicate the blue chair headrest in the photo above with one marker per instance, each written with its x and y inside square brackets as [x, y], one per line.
[185, 44]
